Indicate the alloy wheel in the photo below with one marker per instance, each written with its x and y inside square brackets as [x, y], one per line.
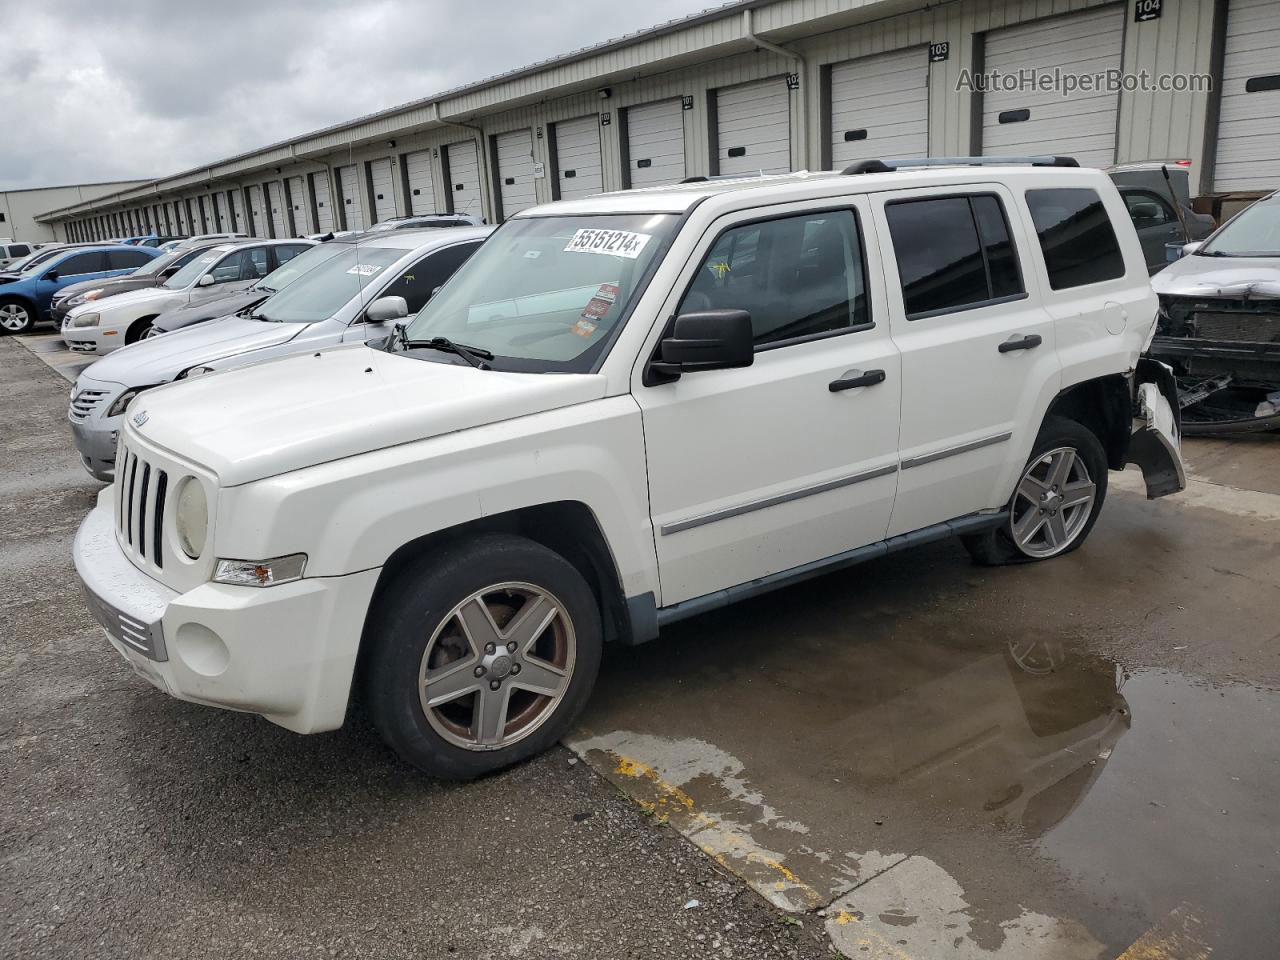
[1052, 504]
[14, 317]
[497, 666]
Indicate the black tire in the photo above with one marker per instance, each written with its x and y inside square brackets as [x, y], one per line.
[997, 546]
[138, 329]
[414, 605]
[15, 309]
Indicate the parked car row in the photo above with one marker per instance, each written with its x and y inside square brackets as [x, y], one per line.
[439, 469]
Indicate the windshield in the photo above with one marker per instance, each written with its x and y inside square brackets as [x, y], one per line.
[286, 273]
[322, 292]
[1253, 233]
[545, 294]
[187, 275]
[37, 259]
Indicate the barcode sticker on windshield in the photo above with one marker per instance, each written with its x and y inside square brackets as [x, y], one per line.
[365, 269]
[615, 243]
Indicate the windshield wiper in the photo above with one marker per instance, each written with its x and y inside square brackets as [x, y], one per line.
[476, 356]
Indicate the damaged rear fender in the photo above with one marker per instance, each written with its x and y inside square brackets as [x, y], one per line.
[1155, 439]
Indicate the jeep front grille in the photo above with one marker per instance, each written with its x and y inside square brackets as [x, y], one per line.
[141, 490]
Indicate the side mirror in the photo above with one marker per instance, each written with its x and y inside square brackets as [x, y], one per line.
[706, 340]
[205, 281]
[1192, 247]
[51, 276]
[386, 308]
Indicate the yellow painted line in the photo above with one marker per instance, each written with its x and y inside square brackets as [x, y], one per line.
[1177, 937]
[672, 803]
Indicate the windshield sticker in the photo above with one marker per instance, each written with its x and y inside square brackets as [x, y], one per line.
[532, 254]
[365, 269]
[614, 243]
[600, 302]
[584, 327]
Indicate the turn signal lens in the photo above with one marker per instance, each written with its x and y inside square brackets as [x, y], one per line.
[260, 573]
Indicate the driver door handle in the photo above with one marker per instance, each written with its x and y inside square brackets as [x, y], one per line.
[856, 378]
[1028, 342]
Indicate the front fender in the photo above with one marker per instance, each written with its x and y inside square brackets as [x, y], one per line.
[353, 514]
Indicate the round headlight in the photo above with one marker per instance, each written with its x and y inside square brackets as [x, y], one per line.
[192, 518]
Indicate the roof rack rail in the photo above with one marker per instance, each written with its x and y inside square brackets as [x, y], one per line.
[888, 166]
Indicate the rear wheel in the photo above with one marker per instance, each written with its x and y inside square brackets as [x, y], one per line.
[16, 316]
[1057, 499]
[483, 658]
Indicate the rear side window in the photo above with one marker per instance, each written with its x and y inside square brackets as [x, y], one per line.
[798, 277]
[287, 251]
[1076, 237]
[19, 250]
[953, 253]
[124, 259]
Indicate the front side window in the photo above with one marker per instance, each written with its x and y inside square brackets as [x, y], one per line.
[324, 290]
[547, 294]
[797, 276]
[194, 268]
[19, 250]
[1076, 237]
[242, 266]
[953, 253]
[1254, 232]
[81, 263]
[417, 283]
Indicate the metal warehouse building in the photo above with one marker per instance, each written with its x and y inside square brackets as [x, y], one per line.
[759, 85]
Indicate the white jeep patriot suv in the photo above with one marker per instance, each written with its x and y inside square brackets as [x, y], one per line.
[623, 411]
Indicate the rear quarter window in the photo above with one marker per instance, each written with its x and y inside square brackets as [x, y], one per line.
[1076, 237]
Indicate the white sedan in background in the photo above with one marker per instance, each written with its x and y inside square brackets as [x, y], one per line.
[102, 327]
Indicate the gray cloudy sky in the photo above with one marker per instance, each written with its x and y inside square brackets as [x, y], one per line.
[119, 89]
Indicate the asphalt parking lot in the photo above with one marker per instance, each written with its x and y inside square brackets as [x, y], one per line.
[912, 759]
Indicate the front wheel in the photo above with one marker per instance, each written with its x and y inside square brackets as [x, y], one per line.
[1056, 502]
[482, 658]
[16, 316]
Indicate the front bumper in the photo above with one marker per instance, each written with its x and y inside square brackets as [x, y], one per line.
[94, 340]
[286, 652]
[1155, 441]
[95, 439]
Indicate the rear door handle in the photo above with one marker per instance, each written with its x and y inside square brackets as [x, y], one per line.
[1028, 342]
[856, 378]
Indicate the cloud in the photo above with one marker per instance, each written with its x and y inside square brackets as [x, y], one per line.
[93, 91]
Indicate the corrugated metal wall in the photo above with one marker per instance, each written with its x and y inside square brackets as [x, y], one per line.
[693, 62]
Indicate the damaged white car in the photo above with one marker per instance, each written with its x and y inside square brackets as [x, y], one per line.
[623, 411]
[1220, 324]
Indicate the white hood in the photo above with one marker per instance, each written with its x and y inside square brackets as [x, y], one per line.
[160, 359]
[280, 416]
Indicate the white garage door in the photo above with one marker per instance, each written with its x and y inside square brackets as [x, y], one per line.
[324, 205]
[464, 177]
[753, 128]
[515, 171]
[655, 143]
[297, 201]
[579, 172]
[237, 211]
[1248, 156]
[880, 107]
[349, 190]
[257, 218]
[1026, 122]
[279, 222]
[206, 213]
[384, 198]
[417, 172]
